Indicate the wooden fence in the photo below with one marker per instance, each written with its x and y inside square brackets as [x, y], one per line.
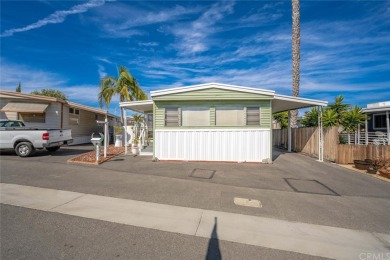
[349, 152]
[305, 140]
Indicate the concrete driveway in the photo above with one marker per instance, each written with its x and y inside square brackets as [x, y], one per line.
[294, 187]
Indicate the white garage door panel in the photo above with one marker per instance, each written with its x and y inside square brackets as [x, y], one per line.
[237, 145]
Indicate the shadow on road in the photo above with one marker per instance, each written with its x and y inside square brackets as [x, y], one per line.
[213, 251]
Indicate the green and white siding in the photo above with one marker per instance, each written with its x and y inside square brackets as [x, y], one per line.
[246, 143]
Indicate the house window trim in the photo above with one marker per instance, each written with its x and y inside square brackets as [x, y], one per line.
[74, 114]
[231, 106]
[199, 108]
[22, 119]
[246, 115]
[373, 122]
[178, 115]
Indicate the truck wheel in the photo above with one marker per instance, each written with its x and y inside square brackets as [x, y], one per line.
[24, 149]
[53, 149]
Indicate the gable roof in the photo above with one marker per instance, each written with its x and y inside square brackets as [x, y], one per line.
[212, 85]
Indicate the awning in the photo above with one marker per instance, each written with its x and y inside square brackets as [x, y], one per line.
[25, 107]
[142, 106]
[282, 103]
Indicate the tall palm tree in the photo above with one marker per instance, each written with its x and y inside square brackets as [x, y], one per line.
[125, 85]
[296, 41]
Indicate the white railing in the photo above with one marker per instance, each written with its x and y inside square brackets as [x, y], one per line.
[377, 138]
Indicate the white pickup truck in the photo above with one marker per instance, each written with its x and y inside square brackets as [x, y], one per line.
[25, 140]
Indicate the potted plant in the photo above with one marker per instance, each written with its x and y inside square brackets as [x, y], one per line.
[118, 135]
[134, 146]
[384, 167]
[361, 165]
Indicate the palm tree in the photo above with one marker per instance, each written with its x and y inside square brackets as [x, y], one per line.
[296, 41]
[282, 119]
[125, 85]
[353, 119]
[311, 118]
[329, 118]
[340, 108]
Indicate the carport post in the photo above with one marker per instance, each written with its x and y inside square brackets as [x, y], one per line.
[289, 132]
[125, 126]
[320, 136]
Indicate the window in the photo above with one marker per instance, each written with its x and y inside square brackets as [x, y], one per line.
[195, 116]
[32, 117]
[252, 116]
[229, 116]
[74, 116]
[11, 124]
[379, 121]
[171, 116]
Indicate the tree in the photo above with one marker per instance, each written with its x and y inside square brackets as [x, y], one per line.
[296, 41]
[311, 118]
[329, 118]
[282, 119]
[125, 85]
[19, 88]
[353, 119]
[50, 93]
[339, 108]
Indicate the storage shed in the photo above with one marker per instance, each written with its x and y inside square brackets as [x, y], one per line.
[215, 122]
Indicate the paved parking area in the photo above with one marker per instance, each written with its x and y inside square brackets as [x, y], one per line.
[294, 188]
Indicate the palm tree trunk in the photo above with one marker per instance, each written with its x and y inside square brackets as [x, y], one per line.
[296, 41]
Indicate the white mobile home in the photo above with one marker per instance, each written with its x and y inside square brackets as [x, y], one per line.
[215, 122]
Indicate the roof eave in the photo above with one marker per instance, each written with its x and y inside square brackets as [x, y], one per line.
[211, 85]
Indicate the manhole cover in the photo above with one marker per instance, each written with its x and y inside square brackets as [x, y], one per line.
[202, 173]
[310, 186]
[247, 202]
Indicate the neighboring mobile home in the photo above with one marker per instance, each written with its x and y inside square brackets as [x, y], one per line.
[48, 112]
[215, 122]
[377, 127]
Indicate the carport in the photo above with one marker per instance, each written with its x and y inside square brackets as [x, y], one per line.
[190, 123]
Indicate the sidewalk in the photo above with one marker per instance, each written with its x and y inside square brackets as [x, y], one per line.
[297, 237]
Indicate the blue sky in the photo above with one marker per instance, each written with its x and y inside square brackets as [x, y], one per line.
[69, 45]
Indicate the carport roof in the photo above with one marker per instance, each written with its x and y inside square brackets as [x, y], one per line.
[279, 102]
[282, 103]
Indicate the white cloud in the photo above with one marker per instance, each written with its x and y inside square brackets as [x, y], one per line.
[101, 71]
[148, 44]
[56, 17]
[194, 37]
[121, 20]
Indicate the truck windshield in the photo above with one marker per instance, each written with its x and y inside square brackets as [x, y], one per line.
[11, 124]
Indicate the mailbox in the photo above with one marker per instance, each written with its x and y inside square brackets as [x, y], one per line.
[96, 141]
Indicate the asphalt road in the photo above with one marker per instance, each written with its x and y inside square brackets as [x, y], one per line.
[33, 234]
